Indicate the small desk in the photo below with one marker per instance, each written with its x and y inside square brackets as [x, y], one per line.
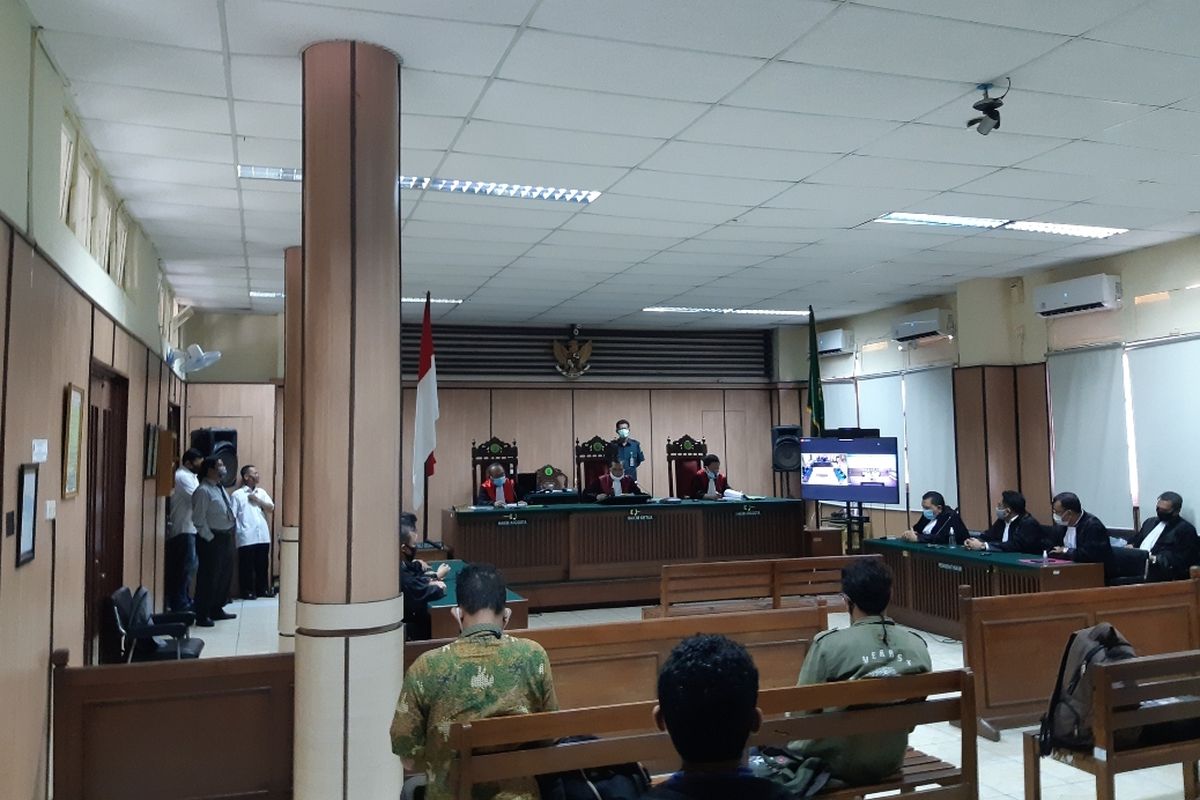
[443, 624]
[926, 579]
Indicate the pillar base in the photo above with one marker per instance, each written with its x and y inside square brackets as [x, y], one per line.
[349, 670]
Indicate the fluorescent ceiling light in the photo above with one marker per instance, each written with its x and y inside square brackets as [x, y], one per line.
[435, 300]
[580, 196]
[939, 220]
[270, 173]
[270, 295]
[765, 312]
[1082, 231]
[1153, 297]
[1193, 286]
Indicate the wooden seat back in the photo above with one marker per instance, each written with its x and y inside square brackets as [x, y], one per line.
[619, 662]
[494, 451]
[685, 457]
[591, 461]
[488, 749]
[683, 586]
[1014, 643]
[1119, 690]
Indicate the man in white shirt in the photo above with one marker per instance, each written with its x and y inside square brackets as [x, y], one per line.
[180, 552]
[251, 504]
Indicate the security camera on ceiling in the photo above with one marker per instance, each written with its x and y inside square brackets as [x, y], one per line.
[990, 108]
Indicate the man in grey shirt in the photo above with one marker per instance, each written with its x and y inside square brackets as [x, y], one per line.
[215, 521]
[181, 534]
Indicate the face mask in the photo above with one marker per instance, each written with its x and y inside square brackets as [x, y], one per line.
[616, 476]
[1165, 516]
[1001, 513]
[623, 433]
[712, 473]
[1058, 520]
[498, 481]
[930, 513]
[409, 555]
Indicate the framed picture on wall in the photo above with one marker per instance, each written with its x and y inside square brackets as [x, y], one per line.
[150, 468]
[27, 486]
[72, 440]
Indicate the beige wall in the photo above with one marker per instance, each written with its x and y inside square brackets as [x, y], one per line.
[251, 346]
[54, 333]
[545, 421]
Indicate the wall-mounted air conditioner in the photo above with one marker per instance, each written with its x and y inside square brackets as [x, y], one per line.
[835, 343]
[923, 325]
[1078, 296]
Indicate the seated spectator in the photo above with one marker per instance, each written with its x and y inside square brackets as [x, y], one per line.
[872, 647]
[707, 702]
[483, 673]
[938, 523]
[419, 584]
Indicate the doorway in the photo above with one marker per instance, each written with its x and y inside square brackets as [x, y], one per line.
[108, 410]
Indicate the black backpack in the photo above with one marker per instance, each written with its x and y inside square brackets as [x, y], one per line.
[1068, 721]
[614, 782]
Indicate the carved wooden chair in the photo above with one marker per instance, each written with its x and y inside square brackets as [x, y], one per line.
[685, 457]
[591, 461]
[493, 451]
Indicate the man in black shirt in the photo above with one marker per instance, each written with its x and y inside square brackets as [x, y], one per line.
[419, 584]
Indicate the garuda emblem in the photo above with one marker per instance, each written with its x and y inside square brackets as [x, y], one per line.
[572, 356]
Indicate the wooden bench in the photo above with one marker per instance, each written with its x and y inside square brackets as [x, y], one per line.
[1118, 690]
[487, 749]
[619, 662]
[1014, 643]
[689, 589]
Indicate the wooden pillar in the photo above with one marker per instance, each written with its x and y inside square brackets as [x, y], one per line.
[289, 531]
[349, 638]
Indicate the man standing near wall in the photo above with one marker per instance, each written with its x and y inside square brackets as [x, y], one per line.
[251, 504]
[181, 534]
[212, 513]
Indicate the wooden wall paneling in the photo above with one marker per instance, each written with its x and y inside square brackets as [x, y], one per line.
[748, 440]
[1001, 419]
[788, 405]
[464, 415]
[596, 413]
[674, 412]
[149, 506]
[6, 251]
[970, 432]
[135, 458]
[247, 407]
[1033, 431]
[539, 421]
[48, 330]
[103, 335]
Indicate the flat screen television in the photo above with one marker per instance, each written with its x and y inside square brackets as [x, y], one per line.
[850, 470]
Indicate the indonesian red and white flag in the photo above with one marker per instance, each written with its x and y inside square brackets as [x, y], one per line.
[425, 429]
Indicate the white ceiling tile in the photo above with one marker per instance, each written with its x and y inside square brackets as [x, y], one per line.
[891, 42]
[478, 210]
[511, 12]
[898, 173]
[168, 170]
[804, 88]
[182, 273]
[724, 261]
[1004, 244]
[627, 68]
[1163, 129]
[571, 255]
[150, 107]
[680, 186]
[1070, 17]
[1044, 114]
[710, 25]
[600, 268]
[1112, 72]
[1110, 160]
[959, 146]
[423, 92]
[705, 244]
[808, 132]
[270, 152]
[552, 107]
[145, 211]
[177, 23]
[190, 249]
[872, 204]
[270, 201]
[418, 229]
[423, 163]
[586, 238]
[282, 220]
[1110, 216]
[803, 218]
[1016, 182]
[274, 238]
[735, 231]
[645, 208]
[738, 162]
[449, 249]
[186, 229]
[265, 185]
[270, 79]
[529, 172]
[1168, 25]
[118, 137]
[428, 133]
[524, 141]
[979, 205]
[268, 27]
[137, 64]
[270, 120]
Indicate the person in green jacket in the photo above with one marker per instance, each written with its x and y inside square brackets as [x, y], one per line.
[872, 647]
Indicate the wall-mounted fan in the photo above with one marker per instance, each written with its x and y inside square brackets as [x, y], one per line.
[194, 359]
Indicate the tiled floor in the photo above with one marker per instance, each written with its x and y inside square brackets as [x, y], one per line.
[1000, 767]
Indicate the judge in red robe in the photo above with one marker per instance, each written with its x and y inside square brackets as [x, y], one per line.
[613, 483]
[498, 489]
[709, 483]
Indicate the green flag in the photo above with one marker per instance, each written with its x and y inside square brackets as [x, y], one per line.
[816, 396]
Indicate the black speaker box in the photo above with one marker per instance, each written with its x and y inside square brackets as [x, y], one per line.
[219, 443]
[785, 448]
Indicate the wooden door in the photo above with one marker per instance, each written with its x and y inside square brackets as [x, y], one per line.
[108, 404]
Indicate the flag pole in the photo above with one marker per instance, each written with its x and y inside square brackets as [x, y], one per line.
[425, 512]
